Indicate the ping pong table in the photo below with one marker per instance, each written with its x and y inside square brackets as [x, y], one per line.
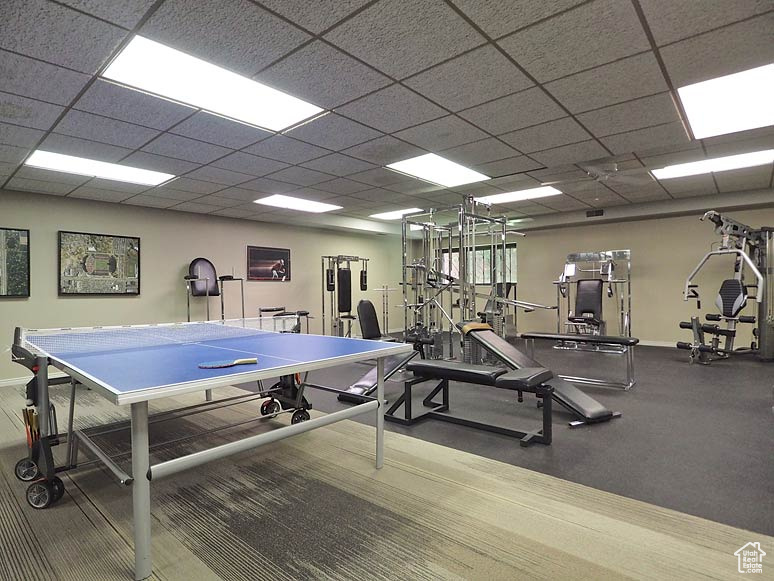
[132, 365]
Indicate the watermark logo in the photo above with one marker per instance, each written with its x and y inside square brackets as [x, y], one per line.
[750, 558]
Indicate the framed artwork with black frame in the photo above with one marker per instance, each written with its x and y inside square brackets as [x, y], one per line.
[98, 264]
[14, 263]
[264, 263]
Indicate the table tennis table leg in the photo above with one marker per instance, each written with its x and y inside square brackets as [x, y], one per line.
[380, 412]
[208, 395]
[141, 491]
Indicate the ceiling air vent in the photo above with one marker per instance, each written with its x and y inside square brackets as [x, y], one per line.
[594, 213]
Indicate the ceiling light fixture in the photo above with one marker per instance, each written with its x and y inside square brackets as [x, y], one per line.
[731, 103]
[290, 203]
[164, 71]
[438, 170]
[96, 169]
[521, 195]
[715, 165]
[396, 214]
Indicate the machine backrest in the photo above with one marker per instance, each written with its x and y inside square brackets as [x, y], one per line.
[369, 324]
[203, 268]
[732, 297]
[588, 298]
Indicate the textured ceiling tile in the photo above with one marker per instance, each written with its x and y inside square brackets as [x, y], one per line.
[83, 148]
[334, 132]
[750, 178]
[590, 35]
[338, 164]
[402, 38]
[414, 187]
[739, 47]
[623, 80]
[47, 175]
[150, 201]
[442, 133]
[547, 135]
[323, 75]
[185, 184]
[39, 80]
[239, 194]
[88, 193]
[39, 187]
[641, 197]
[392, 109]
[97, 128]
[283, 148]
[520, 163]
[249, 164]
[267, 186]
[174, 196]
[300, 176]
[698, 185]
[642, 187]
[326, 13]
[718, 148]
[642, 140]
[195, 207]
[244, 39]
[670, 21]
[480, 75]
[645, 112]
[563, 203]
[384, 150]
[234, 213]
[186, 149]
[342, 186]
[479, 152]
[499, 18]
[116, 186]
[603, 199]
[219, 200]
[45, 30]
[217, 175]
[6, 169]
[574, 153]
[125, 104]
[514, 112]
[145, 160]
[219, 130]
[28, 112]
[19, 136]
[670, 156]
[378, 177]
[380, 195]
[121, 12]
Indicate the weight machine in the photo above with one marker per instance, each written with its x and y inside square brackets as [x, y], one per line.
[337, 283]
[753, 250]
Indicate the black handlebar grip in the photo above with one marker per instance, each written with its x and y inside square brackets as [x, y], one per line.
[330, 280]
[747, 319]
[685, 325]
[363, 280]
[711, 317]
[684, 345]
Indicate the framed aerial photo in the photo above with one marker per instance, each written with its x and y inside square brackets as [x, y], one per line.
[98, 264]
[14, 263]
[265, 263]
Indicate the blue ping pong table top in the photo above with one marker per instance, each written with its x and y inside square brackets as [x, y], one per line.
[128, 370]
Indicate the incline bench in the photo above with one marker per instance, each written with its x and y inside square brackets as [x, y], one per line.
[528, 379]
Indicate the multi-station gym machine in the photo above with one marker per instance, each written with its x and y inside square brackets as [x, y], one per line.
[753, 251]
[337, 291]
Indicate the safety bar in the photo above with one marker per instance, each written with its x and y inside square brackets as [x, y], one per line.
[742, 254]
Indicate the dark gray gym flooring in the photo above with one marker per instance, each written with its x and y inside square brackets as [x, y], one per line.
[697, 439]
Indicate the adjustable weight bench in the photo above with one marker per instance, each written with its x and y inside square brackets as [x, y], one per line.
[361, 390]
[528, 379]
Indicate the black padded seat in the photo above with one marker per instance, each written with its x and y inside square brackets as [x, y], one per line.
[454, 371]
[595, 339]
[526, 379]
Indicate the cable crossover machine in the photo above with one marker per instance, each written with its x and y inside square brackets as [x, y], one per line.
[337, 291]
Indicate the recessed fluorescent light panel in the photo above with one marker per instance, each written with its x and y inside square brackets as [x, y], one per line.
[732, 103]
[158, 69]
[290, 203]
[715, 165]
[531, 194]
[97, 169]
[434, 168]
[396, 215]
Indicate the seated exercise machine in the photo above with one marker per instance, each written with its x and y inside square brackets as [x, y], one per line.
[202, 281]
[337, 284]
[753, 251]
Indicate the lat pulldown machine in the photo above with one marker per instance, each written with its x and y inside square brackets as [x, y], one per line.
[337, 283]
[753, 250]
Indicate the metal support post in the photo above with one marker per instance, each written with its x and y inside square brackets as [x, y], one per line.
[141, 491]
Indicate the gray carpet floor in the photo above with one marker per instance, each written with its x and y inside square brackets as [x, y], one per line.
[697, 439]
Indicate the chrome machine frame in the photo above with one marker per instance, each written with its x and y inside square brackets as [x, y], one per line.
[333, 264]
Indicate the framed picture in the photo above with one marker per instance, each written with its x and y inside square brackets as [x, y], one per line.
[14, 263]
[268, 263]
[98, 264]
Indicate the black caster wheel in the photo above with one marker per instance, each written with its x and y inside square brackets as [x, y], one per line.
[270, 408]
[299, 416]
[59, 488]
[40, 494]
[26, 470]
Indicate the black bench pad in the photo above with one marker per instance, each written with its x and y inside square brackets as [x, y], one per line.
[594, 339]
[526, 379]
[454, 371]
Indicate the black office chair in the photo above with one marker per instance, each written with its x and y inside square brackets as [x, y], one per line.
[369, 324]
[588, 303]
[201, 281]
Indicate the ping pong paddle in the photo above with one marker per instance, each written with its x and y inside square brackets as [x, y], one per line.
[227, 363]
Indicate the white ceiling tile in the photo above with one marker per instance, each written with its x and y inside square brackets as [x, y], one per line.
[479, 152]
[589, 36]
[644, 112]
[384, 150]
[83, 148]
[28, 112]
[104, 129]
[217, 175]
[514, 112]
[719, 148]
[481, 75]
[89, 193]
[736, 48]
[239, 194]
[326, 12]
[643, 140]
[616, 82]
[219, 130]
[32, 78]
[249, 164]
[378, 177]
[220, 200]
[245, 39]
[512, 165]
[602, 198]
[121, 12]
[442, 133]
[334, 132]
[546, 135]
[186, 149]
[414, 187]
[287, 149]
[45, 175]
[150, 201]
[235, 213]
[643, 186]
[19, 136]
[185, 184]
[116, 186]
[342, 186]
[402, 38]
[195, 207]
[380, 195]
[151, 161]
[574, 153]
[699, 185]
[174, 196]
[118, 102]
[6, 169]
[45, 31]
[391, 109]
[650, 196]
[499, 18]
[267, 186]
[338, 164]
[751, 178]
[563, 203]
[323, 75]
[301, 176]
[39, 187]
